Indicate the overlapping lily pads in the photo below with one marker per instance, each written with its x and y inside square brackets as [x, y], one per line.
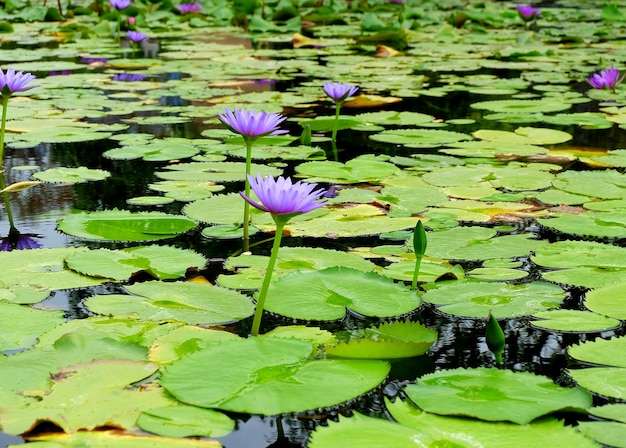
[267, 375]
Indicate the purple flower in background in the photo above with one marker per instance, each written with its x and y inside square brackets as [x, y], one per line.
[282, 197]
[527, 12]
[130, 77]
[187, 8]
[252, 124]
[339, 92]
[606, 79]
[136, 36]
[92, 60]
[120, 4]
[11, 81]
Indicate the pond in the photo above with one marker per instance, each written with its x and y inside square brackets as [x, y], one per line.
[474, 206]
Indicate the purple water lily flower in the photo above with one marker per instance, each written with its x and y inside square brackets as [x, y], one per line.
[282, 197]
[339, 92]
[136, 36]
[252, 124]
[129, 77]
[187, 8]
[527, 12]
[120, 4]
[606, 79]
[12, 81]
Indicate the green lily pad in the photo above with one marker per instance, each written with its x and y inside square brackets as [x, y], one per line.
[328, 294]
[268, 375]
[608, 300]
[250, 269]
[153, 151]
[608, 433]
[395, 118]
[185, 421]
[214, 171]
[494, 395]
[471, 298]
[419, 138]
[186, 191]
[184, 340]
[22, 325]
[523, 106]
[575, 321]
[607, 381]
[367, 432]
[122, 225]
[193, 303]
[470, 433]
[103, 385]
[161, 262]
[609, 352]
[71, 175]
[596, 224]
[359, 169]
[42, 269]
[396, 340]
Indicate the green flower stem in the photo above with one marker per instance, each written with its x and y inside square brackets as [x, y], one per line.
[246, 206]
[260, 303]
[118, 35]
[5, 104]
[416, 270]
[7, 204]
[337, 109]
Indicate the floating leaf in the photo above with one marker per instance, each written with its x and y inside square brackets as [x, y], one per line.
[22, 325]
[470, 433]
[161, 262]
[187, 302]
[185, 421]
[71, 175]
[103, 386]
[576, 321]
[608, 300]
[419, 138]
[471, 298]
[396, 340]
[268, 375]
[122, 225]
[329, 293]
[494, 395]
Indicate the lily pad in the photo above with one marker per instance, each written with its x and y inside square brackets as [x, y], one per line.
[329, 293]
[574, 321]
[420, 138]
[494, 395]
[185, 421]
[192, 303]
[396, 340]
[267, 375]
[22, 325]
[472, 298]
[608, 300]
[71, 175]
[122, 225]
[161, 262]
[470, 433]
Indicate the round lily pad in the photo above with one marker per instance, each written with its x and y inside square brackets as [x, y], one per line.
[475, 298]
[329, 293]
[268, 375]
[494, 395]
[574, 321]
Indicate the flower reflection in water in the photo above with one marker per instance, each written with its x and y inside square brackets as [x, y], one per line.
[19, 241]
